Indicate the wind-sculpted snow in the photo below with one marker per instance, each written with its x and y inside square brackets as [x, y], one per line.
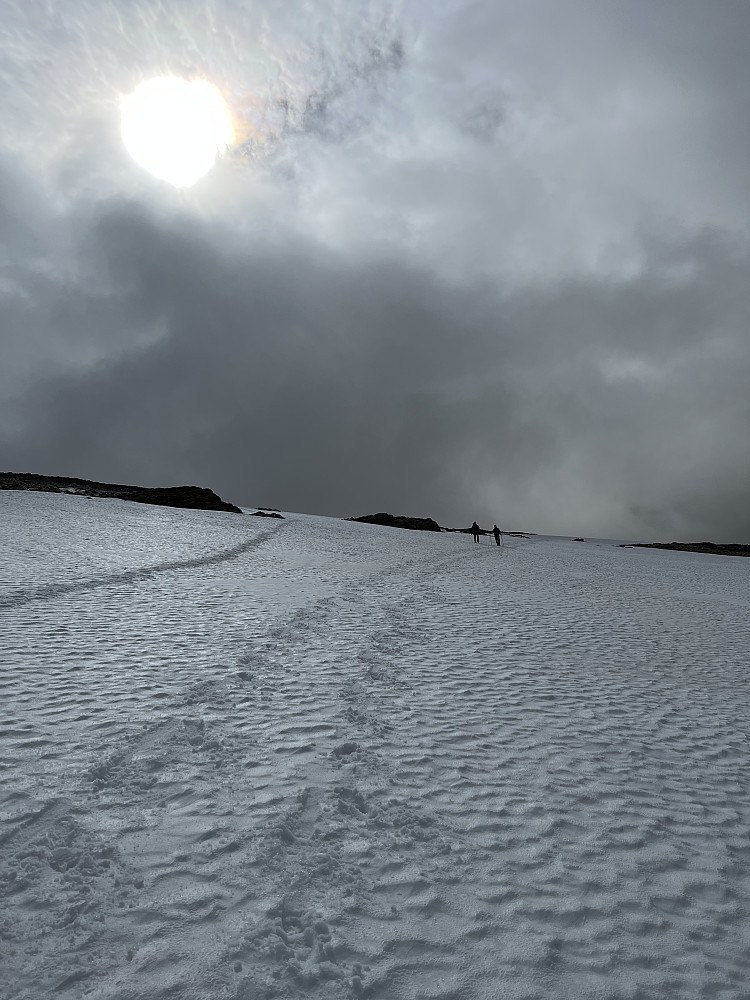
[353, 761]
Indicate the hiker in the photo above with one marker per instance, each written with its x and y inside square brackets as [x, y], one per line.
[475, 529]
[496, 533]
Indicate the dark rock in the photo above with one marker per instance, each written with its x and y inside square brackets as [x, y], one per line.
[710, 548]
[579, 539]
[187, 497]
[266, 513]
[193, 497]
[399, 521]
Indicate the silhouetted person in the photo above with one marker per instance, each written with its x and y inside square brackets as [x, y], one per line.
[496, 533]
[475, 529]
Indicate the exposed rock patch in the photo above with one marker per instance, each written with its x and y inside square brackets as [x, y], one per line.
[188, 497]
[399, 521]
[712, 548]
[424, 524]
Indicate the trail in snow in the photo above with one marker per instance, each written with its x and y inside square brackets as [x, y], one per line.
[357, 761]
[54, 590]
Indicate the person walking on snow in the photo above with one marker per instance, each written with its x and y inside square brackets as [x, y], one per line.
[496, 533]
[475, 529]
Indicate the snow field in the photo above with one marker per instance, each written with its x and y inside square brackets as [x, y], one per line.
[328, 759]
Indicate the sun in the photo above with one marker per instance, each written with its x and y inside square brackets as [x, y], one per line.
[175, 128]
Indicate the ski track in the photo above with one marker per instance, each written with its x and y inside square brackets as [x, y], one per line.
[55, 590]
[363, 762]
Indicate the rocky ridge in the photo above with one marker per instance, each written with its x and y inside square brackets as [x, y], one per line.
[423, 524]
[188, 497]
[399, 521]
[710, 548]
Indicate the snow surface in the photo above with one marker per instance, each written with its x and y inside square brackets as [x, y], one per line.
[244, 758]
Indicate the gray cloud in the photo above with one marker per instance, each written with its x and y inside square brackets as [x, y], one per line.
[467, 260]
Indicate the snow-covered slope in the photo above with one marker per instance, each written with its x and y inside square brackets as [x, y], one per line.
[320, 758]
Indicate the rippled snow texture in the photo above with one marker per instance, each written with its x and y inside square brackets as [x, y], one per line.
[253, 759]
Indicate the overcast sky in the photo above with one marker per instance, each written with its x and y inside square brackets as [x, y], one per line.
[468, 260]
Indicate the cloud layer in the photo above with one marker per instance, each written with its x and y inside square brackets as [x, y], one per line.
[466, 260]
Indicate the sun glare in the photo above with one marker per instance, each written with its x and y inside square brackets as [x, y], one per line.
[175, 128]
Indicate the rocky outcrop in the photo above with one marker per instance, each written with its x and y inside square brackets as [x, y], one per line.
[711, 548]
[266, 513]
[188, 497]
[423, 524]
[399, 521]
